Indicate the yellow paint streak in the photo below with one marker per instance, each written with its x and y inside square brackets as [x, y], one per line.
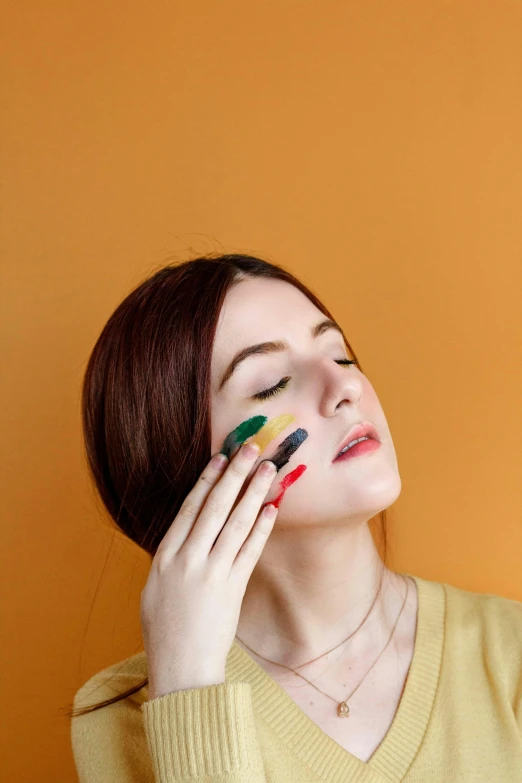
[271, 430]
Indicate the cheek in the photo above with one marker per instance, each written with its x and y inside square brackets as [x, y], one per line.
[372, 408]
[273, 433]
[369, 392]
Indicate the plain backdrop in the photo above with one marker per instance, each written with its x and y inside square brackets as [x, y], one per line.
[374, 148]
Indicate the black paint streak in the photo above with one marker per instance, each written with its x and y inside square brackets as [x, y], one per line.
[288, 447]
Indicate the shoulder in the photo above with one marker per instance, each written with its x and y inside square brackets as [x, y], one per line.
[114, 680]
[488, 625]
[471, 609]
[490, 611]
[109, 743]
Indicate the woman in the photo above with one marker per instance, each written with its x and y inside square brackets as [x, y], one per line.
[278, 645]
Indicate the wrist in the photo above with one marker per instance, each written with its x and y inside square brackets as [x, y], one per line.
[162, 688]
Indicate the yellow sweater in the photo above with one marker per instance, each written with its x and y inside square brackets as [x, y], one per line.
[459, 718]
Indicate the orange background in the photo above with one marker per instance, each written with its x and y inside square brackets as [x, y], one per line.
[375, 149]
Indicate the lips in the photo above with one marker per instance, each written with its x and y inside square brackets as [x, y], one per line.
[365, 429]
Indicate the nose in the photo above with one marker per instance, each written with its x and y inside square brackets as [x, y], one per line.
[340, 385]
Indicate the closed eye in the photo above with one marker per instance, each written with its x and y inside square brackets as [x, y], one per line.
[266, 393]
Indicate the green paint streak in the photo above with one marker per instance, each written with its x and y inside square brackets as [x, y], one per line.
[241, 433]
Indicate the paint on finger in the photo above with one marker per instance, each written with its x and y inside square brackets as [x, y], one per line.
[241, 433]
[288, 447]
[271, 430]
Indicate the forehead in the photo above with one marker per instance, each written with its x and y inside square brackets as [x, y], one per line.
[257, 310]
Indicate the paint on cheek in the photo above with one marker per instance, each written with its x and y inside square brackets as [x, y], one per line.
[271, 430]
[288, 447]
[288, 480]
[241, 433]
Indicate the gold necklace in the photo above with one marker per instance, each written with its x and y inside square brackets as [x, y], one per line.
[342, 707]
[337, 645]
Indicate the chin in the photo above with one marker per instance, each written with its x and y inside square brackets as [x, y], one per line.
[358, 502]
[375, 494]
[367, 501]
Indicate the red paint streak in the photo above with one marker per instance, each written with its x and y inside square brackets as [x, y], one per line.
[287, 482]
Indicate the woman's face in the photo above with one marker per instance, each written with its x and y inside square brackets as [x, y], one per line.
[326, 398]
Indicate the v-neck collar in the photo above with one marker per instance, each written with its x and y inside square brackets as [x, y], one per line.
[393, 757]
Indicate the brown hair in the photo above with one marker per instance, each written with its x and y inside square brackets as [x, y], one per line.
[146, 396]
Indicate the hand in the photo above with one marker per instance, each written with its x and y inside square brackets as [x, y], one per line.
[190, 605]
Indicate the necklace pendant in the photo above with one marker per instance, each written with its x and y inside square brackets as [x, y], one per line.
[343, 710]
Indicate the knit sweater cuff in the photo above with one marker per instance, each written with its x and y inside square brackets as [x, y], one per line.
[204, 734]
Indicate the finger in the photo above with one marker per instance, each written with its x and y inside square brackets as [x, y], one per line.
[240, 522]
[254, 544]
[221, 499]
[241, 433]
[180, 528]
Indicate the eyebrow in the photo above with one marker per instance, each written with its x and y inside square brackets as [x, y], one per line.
[261, 349]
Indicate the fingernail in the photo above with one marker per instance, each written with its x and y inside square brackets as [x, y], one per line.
[250, 450]
[267, 468]
[219, 460]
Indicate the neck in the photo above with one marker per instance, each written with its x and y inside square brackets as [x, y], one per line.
[311, 588]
